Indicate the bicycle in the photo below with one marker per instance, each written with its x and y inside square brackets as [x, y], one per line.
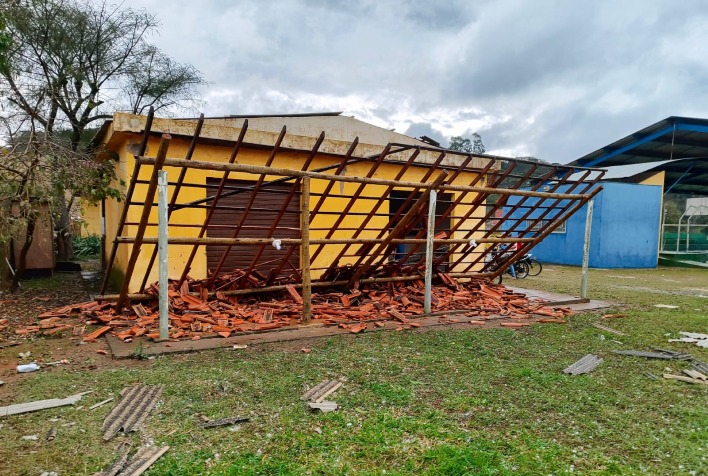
[517, 270]
[534, 265]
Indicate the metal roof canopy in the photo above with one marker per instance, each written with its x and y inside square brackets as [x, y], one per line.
[669, 142]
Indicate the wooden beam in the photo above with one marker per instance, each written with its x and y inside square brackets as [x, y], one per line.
[305, 250]
[149, 199]
[277, 171]
[399, 228]
[187, 240]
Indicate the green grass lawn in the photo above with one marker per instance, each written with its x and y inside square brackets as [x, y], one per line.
[446, 402]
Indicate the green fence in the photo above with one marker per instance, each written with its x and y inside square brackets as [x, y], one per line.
[688, 242]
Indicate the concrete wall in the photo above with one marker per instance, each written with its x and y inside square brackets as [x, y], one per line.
[626, 218]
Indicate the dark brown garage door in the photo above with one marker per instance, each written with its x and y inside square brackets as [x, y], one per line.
[260, 217]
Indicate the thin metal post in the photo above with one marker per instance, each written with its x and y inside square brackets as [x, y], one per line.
[586, 252]
[429, 252]
[140, 232]
[305, 249]
[162, 219]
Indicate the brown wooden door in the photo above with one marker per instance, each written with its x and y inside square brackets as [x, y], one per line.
[259, 219]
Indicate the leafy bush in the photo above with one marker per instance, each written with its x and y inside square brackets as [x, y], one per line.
[87, 246]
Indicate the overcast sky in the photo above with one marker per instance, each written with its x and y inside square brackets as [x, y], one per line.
[550, 79]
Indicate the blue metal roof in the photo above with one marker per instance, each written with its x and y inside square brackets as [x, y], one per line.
[668, 141]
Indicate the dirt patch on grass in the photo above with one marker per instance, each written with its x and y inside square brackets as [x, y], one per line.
[23, 308]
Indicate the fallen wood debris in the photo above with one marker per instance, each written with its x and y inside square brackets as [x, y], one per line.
[695, 374]
[196, 314]
[119, 463]
[324, 406]
[674, 354]
[224, 422]
[18, 408]
[584, 365]
[614, 316]
[685, 379]
[608, 329]
[665, 355]
[100, 404]
[132, 410]
[700, 366]
[321, 391]
[138, 464]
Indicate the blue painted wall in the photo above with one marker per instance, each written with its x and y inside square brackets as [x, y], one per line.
[625, 230]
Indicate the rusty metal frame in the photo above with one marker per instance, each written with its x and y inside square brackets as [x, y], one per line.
[358, 260]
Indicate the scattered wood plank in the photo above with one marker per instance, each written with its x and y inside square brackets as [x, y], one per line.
[695, 374]
[314, 390]
[328, 392]
[614, 316]
[119, 463]
[608, 329]
[584, 365]
[685, 379]
[324, 406]
[641, 353]
[18, 408]
[138, 464]
[321, 391]
[700, 366]
[100, 404]
[224, 422]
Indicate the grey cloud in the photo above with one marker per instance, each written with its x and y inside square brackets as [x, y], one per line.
[550, 78]
[422, 129]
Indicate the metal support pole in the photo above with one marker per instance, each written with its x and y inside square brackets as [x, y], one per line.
[162, 219]
[429, 252]
[305, 249]
[586, 252]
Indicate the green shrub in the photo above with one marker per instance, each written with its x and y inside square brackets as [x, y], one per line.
[87, 246]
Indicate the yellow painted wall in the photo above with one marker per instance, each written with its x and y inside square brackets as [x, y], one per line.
[655, 179]
[659, 179]
[178, 253]
[90, 219]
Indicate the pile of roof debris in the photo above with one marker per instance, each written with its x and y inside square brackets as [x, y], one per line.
[196, 313]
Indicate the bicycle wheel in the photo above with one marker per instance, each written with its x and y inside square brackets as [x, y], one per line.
[535, 267]
[498, 279]
[522, 269]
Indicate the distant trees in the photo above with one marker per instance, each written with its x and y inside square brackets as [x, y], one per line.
[64, 65]
[470, 146]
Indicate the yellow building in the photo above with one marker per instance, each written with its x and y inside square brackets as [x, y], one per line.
[287, 142]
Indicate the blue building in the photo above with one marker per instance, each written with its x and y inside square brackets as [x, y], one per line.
[625, 229]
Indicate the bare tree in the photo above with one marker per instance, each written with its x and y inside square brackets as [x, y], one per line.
[65, 64]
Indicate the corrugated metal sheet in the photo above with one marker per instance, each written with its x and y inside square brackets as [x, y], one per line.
[584, 365]
[259, 219]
